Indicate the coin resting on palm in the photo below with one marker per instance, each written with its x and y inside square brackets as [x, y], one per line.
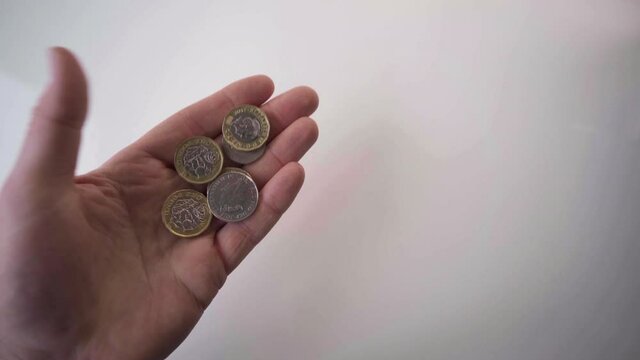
[186, 213]
[198, 160]
[232, 196]
[245, 128]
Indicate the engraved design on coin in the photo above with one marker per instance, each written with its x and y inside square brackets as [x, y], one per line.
[185, 213]
[198, 160]
[245, 128]
[232, 196]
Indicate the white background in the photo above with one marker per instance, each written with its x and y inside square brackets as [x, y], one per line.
[475, 192]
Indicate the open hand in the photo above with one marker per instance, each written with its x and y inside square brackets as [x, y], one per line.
[87, 268]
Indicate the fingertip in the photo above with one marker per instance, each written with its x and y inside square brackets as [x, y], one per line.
[56, 61]
[63, 61]
[66, 97]
[296, 172]
[310, 96]
[264, 83]
[283, 188]
[56, 51]
[306, 130]
[257, 88]
[314, 131]
[288, 180]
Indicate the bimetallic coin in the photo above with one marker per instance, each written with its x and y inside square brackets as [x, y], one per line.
[232, 196]
[242, 157]
[185, 213]
[198, 160]
[246, 128]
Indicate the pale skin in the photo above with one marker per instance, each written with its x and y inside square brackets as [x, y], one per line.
[87, 268]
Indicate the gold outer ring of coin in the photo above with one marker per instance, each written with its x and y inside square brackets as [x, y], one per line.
[175, 196]
[179, 165]
[262, 136]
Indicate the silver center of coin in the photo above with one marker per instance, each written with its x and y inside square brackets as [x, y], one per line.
[198, 160]
[245, 128]
[188, 214]
[232, 196]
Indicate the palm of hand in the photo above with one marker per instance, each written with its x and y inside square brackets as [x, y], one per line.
[89, 268]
